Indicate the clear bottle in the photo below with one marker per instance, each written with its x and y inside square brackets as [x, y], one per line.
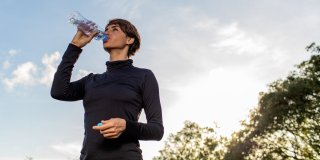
[87, 26]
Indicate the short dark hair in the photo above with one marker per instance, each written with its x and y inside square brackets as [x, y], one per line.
[131, 31]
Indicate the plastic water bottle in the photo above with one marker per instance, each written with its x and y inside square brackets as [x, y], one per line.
[87, 26]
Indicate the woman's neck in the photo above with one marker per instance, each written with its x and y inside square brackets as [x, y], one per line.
[116, 55]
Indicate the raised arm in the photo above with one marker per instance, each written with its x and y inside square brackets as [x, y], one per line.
[62, 88]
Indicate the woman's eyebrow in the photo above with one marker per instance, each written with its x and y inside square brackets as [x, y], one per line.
[114, 26]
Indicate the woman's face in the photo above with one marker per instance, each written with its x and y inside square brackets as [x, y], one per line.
[117, 39]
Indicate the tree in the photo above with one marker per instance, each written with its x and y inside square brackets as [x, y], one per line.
[29, 158]
[286, 123]
[193, 143]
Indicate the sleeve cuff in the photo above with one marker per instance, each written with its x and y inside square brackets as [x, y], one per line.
[131, 131]
[74, 47]
[72, 53]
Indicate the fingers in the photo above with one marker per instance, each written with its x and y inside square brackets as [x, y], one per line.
[111, 135]
[93, 34]
[108, 131]
[103, 125]
[112, 128]
[80, 39]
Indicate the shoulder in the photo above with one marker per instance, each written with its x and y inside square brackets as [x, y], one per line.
[144, 72]
[148, 76]
[94, 76]
[97, 76]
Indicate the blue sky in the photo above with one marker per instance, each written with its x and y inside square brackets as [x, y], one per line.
[211, 59]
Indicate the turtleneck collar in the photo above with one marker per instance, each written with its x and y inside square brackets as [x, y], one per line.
[119, 64]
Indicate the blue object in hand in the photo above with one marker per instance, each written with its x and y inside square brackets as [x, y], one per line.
[99, 124]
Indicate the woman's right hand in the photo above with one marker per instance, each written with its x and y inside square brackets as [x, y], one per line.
[81, 39]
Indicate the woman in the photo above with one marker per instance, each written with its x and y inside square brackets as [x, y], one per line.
[114, 98]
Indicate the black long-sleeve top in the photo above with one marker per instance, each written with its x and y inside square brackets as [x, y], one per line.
[120, 92]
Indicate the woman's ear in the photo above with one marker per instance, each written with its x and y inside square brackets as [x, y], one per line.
[130, 40]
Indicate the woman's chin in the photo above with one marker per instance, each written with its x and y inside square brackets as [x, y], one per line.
[106, 49]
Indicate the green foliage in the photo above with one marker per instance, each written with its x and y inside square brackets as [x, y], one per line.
[29, 158]
[193, 143]
[286, 123]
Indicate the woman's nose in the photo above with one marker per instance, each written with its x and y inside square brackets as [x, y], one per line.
[106, 32]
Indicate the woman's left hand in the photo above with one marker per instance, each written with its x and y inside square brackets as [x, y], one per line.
[111, 128]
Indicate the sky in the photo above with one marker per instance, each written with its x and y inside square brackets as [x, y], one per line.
[211, 59]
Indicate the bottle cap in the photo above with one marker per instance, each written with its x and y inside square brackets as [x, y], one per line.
[104, 38]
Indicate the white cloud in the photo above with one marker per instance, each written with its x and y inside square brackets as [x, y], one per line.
[197, 42]
[81, 73]
[29, 74]
[13, 52]
[71, 149]
[6, 64]
[133, 9]
[237, 41]
[221, 95]
[7, 56]
[24, 75]
[50, 66]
